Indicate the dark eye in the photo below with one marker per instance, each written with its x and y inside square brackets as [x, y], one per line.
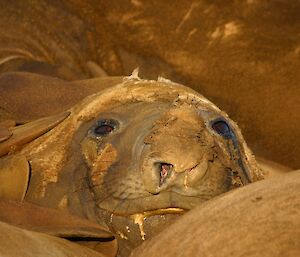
[222, 128]
[104, 127]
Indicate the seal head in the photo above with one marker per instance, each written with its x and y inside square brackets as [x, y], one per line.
[139, 154]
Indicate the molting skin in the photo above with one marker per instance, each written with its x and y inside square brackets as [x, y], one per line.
[137, 155]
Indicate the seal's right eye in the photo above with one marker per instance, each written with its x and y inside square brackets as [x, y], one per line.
[104, 127]
[222, 128]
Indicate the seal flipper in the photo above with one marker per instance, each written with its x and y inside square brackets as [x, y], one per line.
[56, 223]
[26, 133]
[14, 177]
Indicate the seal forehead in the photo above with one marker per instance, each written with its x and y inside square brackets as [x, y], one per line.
[143, 91]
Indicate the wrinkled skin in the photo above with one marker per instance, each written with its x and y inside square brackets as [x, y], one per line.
[161, 158]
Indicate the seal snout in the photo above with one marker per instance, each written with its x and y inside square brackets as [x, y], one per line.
[157, 174]
[172, 175]
[176, 153]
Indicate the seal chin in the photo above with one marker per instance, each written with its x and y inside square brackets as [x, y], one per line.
[163, 203]
[139, 218]
[132, 230]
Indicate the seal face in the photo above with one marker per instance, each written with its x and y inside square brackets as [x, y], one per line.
[146, 151]
[167, 154]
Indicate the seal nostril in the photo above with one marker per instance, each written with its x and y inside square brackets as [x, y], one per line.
[157, 175]
[164, 170]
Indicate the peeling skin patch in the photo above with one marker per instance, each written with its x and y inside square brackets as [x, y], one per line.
[63, 204]
[50, 174]
[217, 33]
[104, 160]
[223, 32]
[231, 28]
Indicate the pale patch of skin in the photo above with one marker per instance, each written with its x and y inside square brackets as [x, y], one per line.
[63, 204]
[216, 33]
[226, 31]
[230, 29]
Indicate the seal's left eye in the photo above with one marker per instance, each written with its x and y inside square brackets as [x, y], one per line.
[104, 127]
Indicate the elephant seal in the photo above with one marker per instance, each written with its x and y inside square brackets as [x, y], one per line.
[135, 156]
[261, 219]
